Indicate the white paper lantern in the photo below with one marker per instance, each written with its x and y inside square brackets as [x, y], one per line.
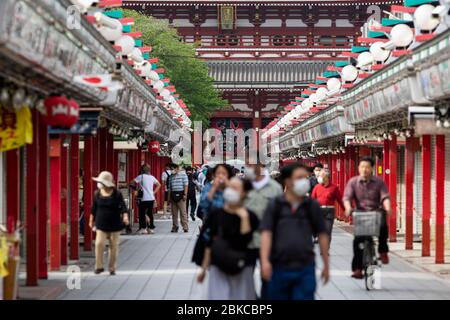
[313, 97]
[153, 75]
[307, 103]
[423, 18]
[126, 43]
[349, 73]
[379, 54]
[321, 93]
[158, 85]
[365, 59]
[333, 84]
[136, 55]
[111, 34]
[146, 69]
[402, 35]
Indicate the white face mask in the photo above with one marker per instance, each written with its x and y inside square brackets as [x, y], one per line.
[231, 196]
[100, 185]
[301, 187]
[250, 173]
[320, 180]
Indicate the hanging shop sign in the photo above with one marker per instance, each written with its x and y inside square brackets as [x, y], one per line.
[16, 128]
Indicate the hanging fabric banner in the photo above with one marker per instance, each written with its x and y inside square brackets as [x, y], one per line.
[16, 128]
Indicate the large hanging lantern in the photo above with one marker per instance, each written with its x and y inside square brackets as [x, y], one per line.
[378, 53]
[349, 73]
[61, 112]
[126, 44]
[110, 29]
[154, 146]
[424, 18]
[402, 35]
[333, 84]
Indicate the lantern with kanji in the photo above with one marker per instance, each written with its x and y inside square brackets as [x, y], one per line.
[154, 146]
[61, 112]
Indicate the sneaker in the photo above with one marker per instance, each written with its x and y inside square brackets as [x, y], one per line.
[112, 273]
[151, 231]
[98, 271]
[357, 274]
[193, 217]
[384, 258]
[174, 230]
[186, 230]
[143, 231]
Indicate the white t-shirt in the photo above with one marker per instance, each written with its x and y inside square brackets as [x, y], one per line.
[147, 182]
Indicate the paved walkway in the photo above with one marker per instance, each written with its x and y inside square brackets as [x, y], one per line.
[158, 267]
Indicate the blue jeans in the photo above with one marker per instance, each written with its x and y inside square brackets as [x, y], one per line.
[295, 284]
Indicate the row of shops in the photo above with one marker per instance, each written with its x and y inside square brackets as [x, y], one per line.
[45, 170]
[400, 116]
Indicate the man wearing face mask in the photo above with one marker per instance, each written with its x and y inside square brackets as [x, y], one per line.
[327, 194]
[316, 171]
[264, 190]
[287, 248]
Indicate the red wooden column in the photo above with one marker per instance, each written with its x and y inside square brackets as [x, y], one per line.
[103, 149]
[87, 190]
[334, 173]
[43, 196]
[115, 165]
[426, 190]
[342, 171]
[440, 194]
[12, 196]
[393, 188]
[111, 159]
[32, 205]
[386, 169]
[64, 199]
[55, 203]
[353, 161]
[96, 155]
[409, 190]
[74, 204]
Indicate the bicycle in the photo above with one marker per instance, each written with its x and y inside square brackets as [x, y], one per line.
[367, 224]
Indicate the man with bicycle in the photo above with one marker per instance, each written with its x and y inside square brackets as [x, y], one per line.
[369, 193]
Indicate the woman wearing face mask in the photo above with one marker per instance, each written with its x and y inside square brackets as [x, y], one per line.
[227, 256]
[212, 193]
[109, 215]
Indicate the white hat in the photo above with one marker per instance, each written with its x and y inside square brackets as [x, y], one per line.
[105, 178]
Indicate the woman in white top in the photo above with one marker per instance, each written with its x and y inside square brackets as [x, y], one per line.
[147, 183]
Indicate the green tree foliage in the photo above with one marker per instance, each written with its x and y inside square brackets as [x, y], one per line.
[186, 72]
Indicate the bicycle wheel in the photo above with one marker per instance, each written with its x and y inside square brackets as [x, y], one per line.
[368, 258]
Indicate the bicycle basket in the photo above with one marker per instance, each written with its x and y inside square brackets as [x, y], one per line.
[366, 223]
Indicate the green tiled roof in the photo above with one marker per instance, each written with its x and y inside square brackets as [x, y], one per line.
[331, 74]
[357, 49]
[116, 14]
[340, 64]
[393, 22]
[416, 3]
[376, 34]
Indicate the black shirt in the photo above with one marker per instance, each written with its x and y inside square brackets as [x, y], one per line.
[107, 211]
[293, 229]
[231, 229]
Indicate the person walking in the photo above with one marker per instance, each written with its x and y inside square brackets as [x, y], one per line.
[178, 189]
[164, 177]
[146, 199]
[227, 257]
[109, 215]
[315, 174]
[327, 194]
[191, 200]
[369, 193]
[212, 193]
[287, 249]
[257, 200]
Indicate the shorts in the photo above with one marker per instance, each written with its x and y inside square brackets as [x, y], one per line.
[166, 195]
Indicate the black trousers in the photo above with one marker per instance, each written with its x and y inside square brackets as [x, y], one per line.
[328, 214]
[357, 262]
[192, 201]
[146, 209]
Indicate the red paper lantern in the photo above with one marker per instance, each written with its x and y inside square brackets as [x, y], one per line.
[61, 112]
[154, 146]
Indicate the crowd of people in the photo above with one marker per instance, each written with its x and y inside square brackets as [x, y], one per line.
[251, 219]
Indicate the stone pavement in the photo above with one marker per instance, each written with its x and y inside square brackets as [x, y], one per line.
[159, 267]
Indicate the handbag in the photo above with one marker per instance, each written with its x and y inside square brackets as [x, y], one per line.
[176, 196]
[140, 191]
[226, 258]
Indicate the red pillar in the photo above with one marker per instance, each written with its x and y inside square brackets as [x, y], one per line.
[55, 203]
[342, 170]
[103, 149]
[393, 188]
[334, 173]
[43, 202]
[440, 194]
[386, 161]
[111, 159]
[115, 165]
[12, 196]
[64, 200]
[32, 205]
[426, 190]
[87, 190]
[409, 190]
[74, 204]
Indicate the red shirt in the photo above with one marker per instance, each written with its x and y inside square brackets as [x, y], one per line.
[327, 195]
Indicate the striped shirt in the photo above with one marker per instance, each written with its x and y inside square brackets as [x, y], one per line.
[178, 181]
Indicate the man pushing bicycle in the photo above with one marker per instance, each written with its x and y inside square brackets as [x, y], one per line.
[369, 193]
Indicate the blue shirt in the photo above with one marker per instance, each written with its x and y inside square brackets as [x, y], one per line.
[178, 181]
[207, 204]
